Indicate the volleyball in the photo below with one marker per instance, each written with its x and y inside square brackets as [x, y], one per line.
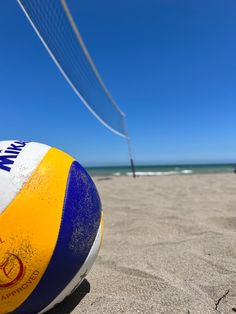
[50, 226]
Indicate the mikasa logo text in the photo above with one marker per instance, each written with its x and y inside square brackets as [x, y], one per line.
[9, 155]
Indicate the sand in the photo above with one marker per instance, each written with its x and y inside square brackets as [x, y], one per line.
[169, 247]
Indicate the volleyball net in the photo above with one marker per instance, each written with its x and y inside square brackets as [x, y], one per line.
[55, 26]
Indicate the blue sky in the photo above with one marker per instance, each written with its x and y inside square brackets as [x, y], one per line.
[170, 65]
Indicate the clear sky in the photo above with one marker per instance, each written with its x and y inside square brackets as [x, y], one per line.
[170, 65]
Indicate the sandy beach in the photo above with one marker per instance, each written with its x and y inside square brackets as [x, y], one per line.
[169, 247]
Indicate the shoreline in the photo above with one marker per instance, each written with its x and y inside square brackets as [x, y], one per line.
[161, 175]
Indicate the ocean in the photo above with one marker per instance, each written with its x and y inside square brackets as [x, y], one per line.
[157, 170]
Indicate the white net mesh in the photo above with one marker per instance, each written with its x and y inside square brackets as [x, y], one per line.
[54, 24]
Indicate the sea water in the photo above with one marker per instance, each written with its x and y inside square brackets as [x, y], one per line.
[160, 170]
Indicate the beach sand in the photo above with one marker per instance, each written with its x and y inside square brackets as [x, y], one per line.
[169, 247]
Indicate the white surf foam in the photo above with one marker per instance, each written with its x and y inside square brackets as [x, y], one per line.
[160, 173]
[187, 171]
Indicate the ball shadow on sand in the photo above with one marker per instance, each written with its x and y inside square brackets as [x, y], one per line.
[70, 302]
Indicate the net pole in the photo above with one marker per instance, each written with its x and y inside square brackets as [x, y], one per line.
[132, 165]
[131, 158]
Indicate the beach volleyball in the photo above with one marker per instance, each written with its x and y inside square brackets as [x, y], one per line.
[50, 226]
